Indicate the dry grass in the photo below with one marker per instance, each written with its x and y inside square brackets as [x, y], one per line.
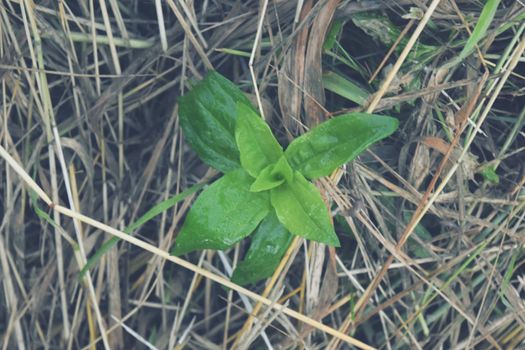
[432, 247]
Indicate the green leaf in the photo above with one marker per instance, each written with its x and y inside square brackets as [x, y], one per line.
[272, 176]
[331, 37]
[266, 180]
[489, 174]
[345, 87]
[269, 243]
[484, 21]
[208, 116]
[336, 142]
[257, 145]
[301, 209]
[223, 214]
[283, 170]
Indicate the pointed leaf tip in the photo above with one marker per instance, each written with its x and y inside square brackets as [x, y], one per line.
[269, 244]
[207, 117]
[257, 146]
[301, 209]
[336, 142]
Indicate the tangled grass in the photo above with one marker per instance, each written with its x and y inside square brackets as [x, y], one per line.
[431, 220]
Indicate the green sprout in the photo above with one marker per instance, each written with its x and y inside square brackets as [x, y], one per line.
[265, 190]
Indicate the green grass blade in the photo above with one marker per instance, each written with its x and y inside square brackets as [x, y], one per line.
[234, 52]
[33, 197]
[431, 293]
[39, 212]
[508, 274]
[345, 88]
[331, 36]
[485, 19]
[150, 214]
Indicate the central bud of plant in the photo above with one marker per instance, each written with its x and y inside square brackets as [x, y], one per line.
[272, 176]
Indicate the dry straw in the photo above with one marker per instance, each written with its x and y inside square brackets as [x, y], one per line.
[165, 255]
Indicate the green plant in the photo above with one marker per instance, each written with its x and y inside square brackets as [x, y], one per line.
[263, 188]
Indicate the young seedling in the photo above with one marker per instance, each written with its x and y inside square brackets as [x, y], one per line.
[264, 188]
